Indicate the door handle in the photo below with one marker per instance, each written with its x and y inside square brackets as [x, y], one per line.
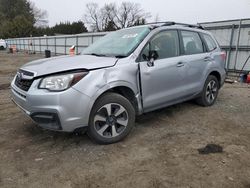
[180, 64]
[207, 59]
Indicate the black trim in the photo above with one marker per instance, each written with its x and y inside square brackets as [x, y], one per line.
[23, 84]
[182, 49]
[26, 72]
[205, 42]
[47, 120]
[183, 24]
[17, 92]
[140, 86]
[62, 73]
[170, 23]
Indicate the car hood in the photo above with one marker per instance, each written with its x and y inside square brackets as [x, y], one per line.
[67, 63]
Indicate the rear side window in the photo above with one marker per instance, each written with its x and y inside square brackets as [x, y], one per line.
[192, 43]
[211, 45]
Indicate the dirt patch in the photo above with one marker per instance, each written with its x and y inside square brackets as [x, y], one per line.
[210, 148]
[161, 151]
[4, 86]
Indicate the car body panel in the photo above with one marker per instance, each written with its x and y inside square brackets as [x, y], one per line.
[162, 82]
[71, 106]
[155, 87]
[66, 63]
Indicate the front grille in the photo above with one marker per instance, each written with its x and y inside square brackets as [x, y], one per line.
[23, 84]
[20, 82]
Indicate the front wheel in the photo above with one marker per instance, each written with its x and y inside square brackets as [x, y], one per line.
[210, 92]
[111, 119]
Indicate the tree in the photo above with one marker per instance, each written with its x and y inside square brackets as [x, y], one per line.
[19, 18]
[130, 13]
[62, 28]
[69, 28]
[110, 26]
[12, 8]
[19, 27]
[93, 16]
[111, 16]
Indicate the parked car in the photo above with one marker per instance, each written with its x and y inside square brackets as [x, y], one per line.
[126, 73]
[3, 44]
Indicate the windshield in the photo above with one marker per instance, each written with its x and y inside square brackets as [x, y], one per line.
[119, 43]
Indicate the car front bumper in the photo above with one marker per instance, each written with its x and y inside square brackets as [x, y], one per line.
[61, 111]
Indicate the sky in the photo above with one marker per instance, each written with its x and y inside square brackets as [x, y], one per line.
[188, 11]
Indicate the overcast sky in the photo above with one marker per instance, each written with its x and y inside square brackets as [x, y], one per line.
[189, 11]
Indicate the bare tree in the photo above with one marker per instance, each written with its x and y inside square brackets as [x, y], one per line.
[109, 13]
[125, 15]
[129, 13]
[93, 16]
[40, 16]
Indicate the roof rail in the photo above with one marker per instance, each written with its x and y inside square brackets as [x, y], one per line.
[169, 23]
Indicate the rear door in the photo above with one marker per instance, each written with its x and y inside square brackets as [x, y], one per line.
[196, 60]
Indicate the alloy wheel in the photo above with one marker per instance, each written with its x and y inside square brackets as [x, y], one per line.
[111, 120]
[211, 91]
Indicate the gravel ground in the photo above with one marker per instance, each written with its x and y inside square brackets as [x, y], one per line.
[161, 151]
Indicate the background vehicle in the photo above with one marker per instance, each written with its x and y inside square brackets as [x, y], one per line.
[126, 73]
[3, 44]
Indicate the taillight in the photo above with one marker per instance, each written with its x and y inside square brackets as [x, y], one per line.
[223, 56]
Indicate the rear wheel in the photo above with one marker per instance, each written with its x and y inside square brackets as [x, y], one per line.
[111, 119]
[210, 92]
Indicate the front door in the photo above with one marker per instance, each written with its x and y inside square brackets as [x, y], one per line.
[163, 82]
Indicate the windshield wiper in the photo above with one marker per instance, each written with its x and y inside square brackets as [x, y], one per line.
[120, 56]
[98, 55]
[103, 55]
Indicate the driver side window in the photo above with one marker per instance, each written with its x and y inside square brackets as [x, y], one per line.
[165, 44]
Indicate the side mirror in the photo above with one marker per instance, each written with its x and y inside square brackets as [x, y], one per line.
[153, 55]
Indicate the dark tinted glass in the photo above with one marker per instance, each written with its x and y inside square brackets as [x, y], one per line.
[192, 43]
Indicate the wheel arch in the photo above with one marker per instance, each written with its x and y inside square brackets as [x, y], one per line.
[217, 75]
[122, 88]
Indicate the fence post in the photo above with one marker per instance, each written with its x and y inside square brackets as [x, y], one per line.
[40, 47]
[23, 44]
[65, 47]
[47, 43]
[77, 44]
[230, 48]
[55, 45]
[237, 46]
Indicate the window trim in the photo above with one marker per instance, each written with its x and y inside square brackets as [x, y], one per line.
[183, 49]
[204, 40]
[139, 58]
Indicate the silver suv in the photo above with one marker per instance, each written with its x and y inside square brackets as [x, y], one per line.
[126, 73]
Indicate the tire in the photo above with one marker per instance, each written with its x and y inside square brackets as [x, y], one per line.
[210, 92]
[111, 119]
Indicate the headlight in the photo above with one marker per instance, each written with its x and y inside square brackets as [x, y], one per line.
[61, 82]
